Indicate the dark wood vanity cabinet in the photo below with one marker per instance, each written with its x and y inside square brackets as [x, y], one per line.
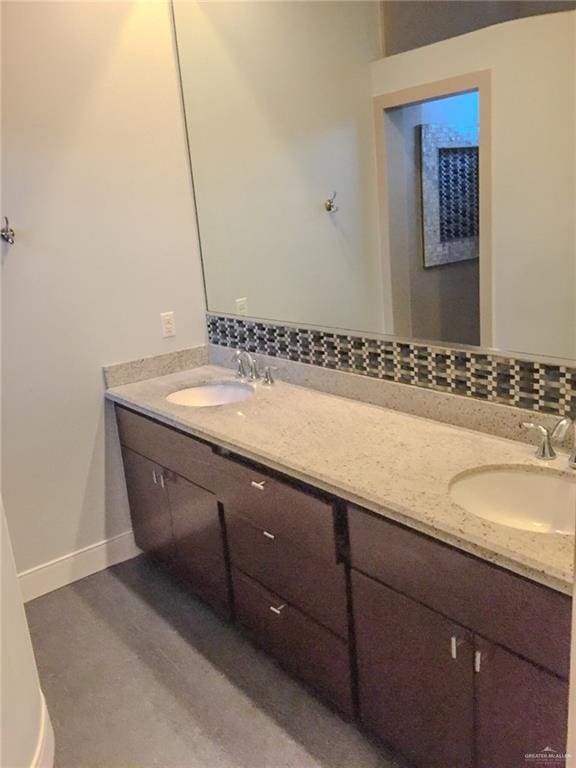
[452, 661]
[174, 519]
[148, 506]
[459, 663]
[196, 508]
[315, 586]
[301, 645]
[441, 695]
[198, 545]
[273, 504]
[528, 618]
[521, 708]
[415, 671]
[289, 589]
[178, 522]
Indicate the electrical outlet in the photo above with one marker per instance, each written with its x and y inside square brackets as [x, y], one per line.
[242, 306]
[168, 324]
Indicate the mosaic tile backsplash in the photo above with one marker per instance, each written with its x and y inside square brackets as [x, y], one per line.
[495, 378]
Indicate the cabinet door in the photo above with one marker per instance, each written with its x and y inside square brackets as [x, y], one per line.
[528, 618]
[148, 507]
[521, 709]
[415, 675]
[198, 540]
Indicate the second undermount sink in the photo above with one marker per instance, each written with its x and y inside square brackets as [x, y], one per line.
[537, 501]
[205, 395]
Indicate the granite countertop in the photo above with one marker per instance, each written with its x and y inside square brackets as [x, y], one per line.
[397, 465]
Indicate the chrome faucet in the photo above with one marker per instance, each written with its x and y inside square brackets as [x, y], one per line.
[246, 365]
[548, 438]
[572, 456]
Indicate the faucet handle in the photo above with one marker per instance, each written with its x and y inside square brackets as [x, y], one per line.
[268, 376]
[561, 429]
[237, 358]
[545, 451]
[559, 433]
[253, 370]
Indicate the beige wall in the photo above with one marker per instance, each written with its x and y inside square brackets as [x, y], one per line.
[572, 702]
[21, 704]
[97, 185]
[279, 114]
[533, 181]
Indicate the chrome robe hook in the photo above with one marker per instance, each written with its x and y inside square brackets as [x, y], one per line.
[330, 205]
[7, 233]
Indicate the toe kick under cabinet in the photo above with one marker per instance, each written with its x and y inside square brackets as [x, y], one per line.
[450, 660]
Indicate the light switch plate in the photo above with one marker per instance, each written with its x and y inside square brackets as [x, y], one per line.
[168, 324]
[242, 306]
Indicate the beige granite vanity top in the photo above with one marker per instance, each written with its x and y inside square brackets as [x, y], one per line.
[395, 464]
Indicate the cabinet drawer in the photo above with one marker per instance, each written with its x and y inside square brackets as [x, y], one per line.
[182, 454]
[317, 587]
[526, 617]
[301, 645]
[280, 508]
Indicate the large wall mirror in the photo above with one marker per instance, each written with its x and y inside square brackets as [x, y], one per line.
[429, 194]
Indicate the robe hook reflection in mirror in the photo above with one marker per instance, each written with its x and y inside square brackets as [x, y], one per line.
[7, 233]
[330, 205]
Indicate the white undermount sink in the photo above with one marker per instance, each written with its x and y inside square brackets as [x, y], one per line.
[537, 501]
[206, 395]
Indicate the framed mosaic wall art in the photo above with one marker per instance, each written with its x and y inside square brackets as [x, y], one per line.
[449, 183]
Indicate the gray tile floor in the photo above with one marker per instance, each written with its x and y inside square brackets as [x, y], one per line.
[137, 674]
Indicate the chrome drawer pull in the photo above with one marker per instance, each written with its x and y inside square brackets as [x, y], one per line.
[259, 486]
[269, 535]
[154, 477]
[278, 610]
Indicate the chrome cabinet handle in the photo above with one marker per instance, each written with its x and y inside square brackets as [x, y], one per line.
[455, 642]
[477, 661]
[278, 610]
[259, 486]
[269, 535]
[158, 478]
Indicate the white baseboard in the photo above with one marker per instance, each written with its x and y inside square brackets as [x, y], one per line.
[64, 570]
[44, 756]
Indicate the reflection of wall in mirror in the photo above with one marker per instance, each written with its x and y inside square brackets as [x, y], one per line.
[278, 105]
[533, 170]
[440, 304]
